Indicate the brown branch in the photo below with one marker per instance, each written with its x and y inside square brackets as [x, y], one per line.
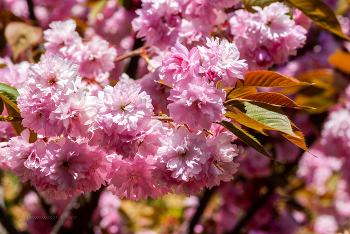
[163, 118]
[10, 119]
[133, 53]
[208, 193]
[62, 219]
[31, 11]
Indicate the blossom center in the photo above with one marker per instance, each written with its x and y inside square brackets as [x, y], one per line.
[65, 164]
[51, 80]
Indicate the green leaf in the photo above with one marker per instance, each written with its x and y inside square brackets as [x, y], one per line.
[9, 93]
[263, 116]
[270, 116]
[246, 138]
[260, 3]
[321, 14]
[1, 106]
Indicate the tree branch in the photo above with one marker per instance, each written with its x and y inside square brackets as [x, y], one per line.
[31, 11]
[134, 62]
[10, 119]
[61, 220]
[203, 203]
[133, 53]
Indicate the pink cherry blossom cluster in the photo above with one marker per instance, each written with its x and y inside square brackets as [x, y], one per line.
[195, 100]
[111, 139]
[166, 22]
[268, 36]
[93, 57]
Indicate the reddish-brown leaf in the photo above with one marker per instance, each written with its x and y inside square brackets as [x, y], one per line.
[239, 92]
[299, 141]
[276, 99]
[268, 79]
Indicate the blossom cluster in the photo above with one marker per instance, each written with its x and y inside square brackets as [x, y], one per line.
[195, 100]
[88, 141]
[167, 22]
[268, 36]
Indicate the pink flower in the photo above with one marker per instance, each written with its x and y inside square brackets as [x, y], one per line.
[25, 158]
[61, 38]
[222, 58]
[53, 76]
[193, 32]
[325, 224]
[132, 179]
[198, 104]
[156, 21]
[336, 133]
[122, 110]
[266, 37]
[35, 111]
[74, 115]
[181, 158]
[274, 20]
[180, 65]
[94, 58]
[13, 74]
[72, 168]
[220, 164]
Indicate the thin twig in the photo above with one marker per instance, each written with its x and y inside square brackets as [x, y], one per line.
[163, 118]
[31, 11]
[61, 220]
[208, 193]
[10, 119]
[133, 53]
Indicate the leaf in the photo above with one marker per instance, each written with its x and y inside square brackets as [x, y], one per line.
[261, 116]
[299, 141]
[246, 138]
[239, 92]
[20, 36]
[245, 120]
[17, 126]
[9, 95]
[276, 99]
[1, 106]
[260, 3]
[340, 60]
[321, 14]
[268, 79]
